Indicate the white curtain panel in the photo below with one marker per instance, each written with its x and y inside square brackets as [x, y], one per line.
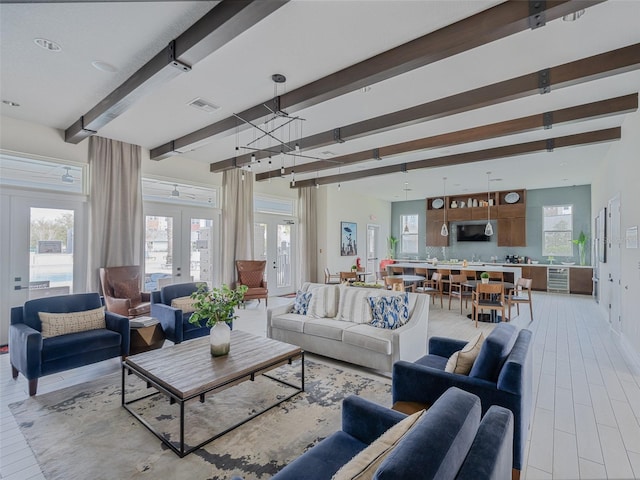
[116, 224]
[237, 221]
[308, 235]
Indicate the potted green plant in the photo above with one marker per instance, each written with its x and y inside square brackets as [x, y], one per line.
[484, 277]
[215, 308]
[581, 241]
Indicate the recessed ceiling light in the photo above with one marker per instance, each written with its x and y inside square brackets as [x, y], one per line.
[10, 103]
[104, 66]
[47, 44]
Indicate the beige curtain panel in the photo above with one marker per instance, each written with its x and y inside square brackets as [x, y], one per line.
[307, 235]
[237, 221]
[116, 224]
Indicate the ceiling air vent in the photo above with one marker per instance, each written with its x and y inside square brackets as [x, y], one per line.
[204, 105]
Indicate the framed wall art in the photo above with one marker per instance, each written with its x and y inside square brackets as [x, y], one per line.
[348, 239]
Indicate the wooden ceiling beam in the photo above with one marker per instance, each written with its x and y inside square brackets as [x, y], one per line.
[219, 26]
[586, 69]
[498, 22]
[580, 139]
[588, 111]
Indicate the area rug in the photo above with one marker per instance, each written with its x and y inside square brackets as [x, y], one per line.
[83, 431]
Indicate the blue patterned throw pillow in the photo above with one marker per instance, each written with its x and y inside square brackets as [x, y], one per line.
[301, 304]
[389, 312]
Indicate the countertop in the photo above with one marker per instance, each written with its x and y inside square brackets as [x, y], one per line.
[471, 264]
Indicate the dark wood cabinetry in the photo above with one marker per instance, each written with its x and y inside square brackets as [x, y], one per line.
[510, 215]
[538, 275]
[512, 232]
[581, 280]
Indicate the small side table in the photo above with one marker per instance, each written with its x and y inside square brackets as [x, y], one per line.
[146, 338]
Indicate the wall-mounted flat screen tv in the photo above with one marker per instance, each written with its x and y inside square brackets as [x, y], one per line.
[471, 233]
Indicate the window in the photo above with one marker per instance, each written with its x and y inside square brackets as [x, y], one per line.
[409, 237]
[41, 173]
[155, 190]
[274, 205]
[557, 231]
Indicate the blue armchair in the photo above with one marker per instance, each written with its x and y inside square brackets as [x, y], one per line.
[174, 321]
[448, 442]
[502, 374]
[35, 356]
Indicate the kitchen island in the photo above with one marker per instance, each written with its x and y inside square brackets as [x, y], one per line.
[515, 269]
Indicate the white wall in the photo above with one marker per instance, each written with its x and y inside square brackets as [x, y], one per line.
[335, 206]
[27, 137]
[620, 175]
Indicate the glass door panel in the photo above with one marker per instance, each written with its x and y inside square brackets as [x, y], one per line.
[273, 242]
[180, 245]
[201, 255]
[50, 252]
[158, 252]
[283, 267]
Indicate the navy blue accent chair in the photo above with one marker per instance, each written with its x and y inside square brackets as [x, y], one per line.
[449, 441]
[175, 323]
[501, 375]
[35, 357]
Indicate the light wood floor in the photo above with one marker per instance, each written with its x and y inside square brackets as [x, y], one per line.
[586, 422]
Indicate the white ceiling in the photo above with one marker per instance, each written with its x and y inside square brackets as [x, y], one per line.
[306, 40]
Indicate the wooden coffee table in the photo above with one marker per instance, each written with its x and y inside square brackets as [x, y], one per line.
[187, 371]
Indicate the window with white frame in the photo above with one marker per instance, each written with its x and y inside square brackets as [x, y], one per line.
[409, 235]
[17, 170]
[166, 191]
[557, 231]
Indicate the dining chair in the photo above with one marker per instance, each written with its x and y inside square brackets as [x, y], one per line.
[496, 276]
[331, 277]
[521, 293]
[396, 270]
[458, 290]
[348, 277]
[446, 273]
[396, 284]
[380, 276]
[488, 296]
[469, 274]
[432, 287]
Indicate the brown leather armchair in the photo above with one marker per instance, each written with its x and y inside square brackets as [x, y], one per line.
[121, 289]
[251, 274]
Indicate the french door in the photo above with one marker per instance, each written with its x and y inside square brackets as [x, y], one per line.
[181, 245]
[44, 247]
[274, 241]
[373, 249]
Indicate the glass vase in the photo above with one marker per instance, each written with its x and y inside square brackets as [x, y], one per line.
[220, 339]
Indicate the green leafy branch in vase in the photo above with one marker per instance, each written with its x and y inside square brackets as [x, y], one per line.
[581, 241]
[216, 305]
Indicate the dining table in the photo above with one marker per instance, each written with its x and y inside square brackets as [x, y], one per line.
[492, 317]
[408, 279]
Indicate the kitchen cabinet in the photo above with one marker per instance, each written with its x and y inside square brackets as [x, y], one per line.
[538, 276]
[459, 214]
[510, 215]
[512, 232]
[581, 280]
[435, 217]
[434, 239]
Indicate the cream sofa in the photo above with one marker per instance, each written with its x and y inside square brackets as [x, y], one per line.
[337, 325]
